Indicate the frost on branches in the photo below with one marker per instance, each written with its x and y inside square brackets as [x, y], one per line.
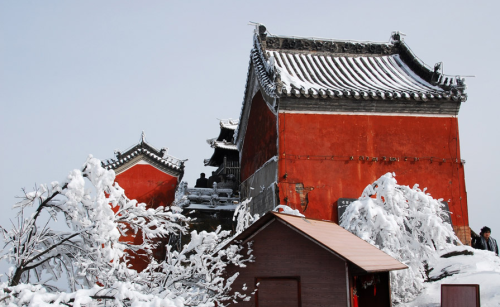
[71, 232]
[404, 222]
[243, 217]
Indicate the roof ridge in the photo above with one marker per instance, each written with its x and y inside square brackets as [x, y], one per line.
[303, 217]
[312, 38]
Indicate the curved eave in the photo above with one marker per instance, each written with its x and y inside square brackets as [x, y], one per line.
[230, 124]
[352, 74]
[218, 156]
[225, 134]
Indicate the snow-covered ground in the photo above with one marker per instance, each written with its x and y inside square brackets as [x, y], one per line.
[482, 268]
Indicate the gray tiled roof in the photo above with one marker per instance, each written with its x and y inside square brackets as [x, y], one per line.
[144, 151]
[318, 68]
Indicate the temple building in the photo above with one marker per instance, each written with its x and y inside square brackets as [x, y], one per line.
[321, 119]
[150, 176]
[214, 205]
[225, 156]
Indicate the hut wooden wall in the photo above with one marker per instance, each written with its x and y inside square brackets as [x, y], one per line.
[285, 258]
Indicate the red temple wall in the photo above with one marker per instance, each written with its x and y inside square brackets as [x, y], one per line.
[148, 185]
[308, 174]
[260, 145]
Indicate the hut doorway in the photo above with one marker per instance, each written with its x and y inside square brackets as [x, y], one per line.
[372, 290]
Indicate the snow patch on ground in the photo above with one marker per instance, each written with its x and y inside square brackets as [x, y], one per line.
[482, 268]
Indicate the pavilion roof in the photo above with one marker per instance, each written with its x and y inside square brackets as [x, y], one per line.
[148, 153]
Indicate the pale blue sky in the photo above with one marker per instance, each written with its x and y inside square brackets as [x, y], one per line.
[87, 77]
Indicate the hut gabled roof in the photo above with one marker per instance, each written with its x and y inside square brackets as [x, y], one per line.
[146, 152]
[331, 237]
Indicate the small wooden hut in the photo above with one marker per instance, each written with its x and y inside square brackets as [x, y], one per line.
[307, 262]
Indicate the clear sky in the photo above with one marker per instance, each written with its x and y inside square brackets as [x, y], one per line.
[86, 77]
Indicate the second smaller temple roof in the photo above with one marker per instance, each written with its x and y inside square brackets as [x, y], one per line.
[144, 151]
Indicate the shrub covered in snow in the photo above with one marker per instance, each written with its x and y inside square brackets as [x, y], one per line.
[407, 224]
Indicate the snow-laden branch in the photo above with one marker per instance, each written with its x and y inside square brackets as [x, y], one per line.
[96, 213]
[404, 222]
[89, 253]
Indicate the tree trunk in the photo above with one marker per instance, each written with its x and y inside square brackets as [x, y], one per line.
[16, 278]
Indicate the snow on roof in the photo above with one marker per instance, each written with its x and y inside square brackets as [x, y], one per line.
[345, 69]
[145, 151]
[230, 124]
[327, 69]
[223, 144]
[333, 238]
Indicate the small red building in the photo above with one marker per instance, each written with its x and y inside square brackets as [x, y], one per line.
[306, 262]
[150, 176]
[321, 119]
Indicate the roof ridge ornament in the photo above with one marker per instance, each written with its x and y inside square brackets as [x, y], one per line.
[262, 31]
[264, 68]
[143, 137]
[397, 37]
[164, 152]
[436, 74]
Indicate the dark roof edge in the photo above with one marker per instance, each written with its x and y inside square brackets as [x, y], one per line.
[159, 158]
[455, 84]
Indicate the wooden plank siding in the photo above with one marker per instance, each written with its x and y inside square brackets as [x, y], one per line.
[460, 295]
[278, 291]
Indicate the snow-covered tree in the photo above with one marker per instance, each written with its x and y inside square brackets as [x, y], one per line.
[94, 213]
[196, 272]
[85, 247]
[404, 222]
